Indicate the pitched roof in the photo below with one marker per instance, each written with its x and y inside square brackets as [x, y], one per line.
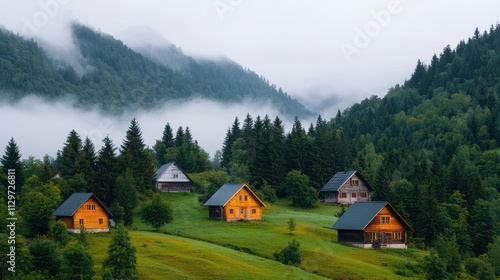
[339, 179]
[225, 193]
[166, 166]
[73, 203]
[360, 214]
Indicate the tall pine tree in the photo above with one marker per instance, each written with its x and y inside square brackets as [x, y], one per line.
[133, 155]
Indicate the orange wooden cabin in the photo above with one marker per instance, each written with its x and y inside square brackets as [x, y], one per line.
[233, 202]
[83, 209]
[374, 224]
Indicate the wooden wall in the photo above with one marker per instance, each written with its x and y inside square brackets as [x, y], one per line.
[91, 217]
[243, 209]
[395, 225]
[349, 188]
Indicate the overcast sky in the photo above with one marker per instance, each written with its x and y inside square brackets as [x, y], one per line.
[327, 53]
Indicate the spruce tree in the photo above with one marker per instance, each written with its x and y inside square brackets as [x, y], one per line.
[296, 147]
[168, 136]
[121, 260]
[106, 172]
[125, 194]
[69, 159]
[277, 163]
[133, 155]
[12, 160]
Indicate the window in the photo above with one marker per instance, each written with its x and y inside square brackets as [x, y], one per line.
[240, 197]
[363, 195]
[372, 235]
[230, 211]
[246, 197]
[90, 206]
[397, 235]
[242, 210]
[254, 211]
[100, 221]
[385, 220]
[176, 175]
[81, 221]
[353, 195]
[343, 195]
[354, 182]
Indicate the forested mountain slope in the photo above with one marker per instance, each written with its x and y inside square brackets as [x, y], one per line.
[114, 77]
[431, 146]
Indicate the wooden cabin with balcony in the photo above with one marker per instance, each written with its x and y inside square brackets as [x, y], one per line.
[234, 202]
[83, 209]
[346, 187]
[373, 224]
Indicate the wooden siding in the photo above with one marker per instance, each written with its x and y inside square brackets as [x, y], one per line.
[90, 216]
[173, 174]
[350, 236]
[350, 188]
[174, 186]
[384, 232]
[239, 208]
[68, 221]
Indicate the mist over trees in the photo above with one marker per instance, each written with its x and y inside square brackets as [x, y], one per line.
[430, 147]
[117, 79]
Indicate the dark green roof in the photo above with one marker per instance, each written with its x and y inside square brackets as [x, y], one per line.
[73, 203]
[224, 193]
[360, 214]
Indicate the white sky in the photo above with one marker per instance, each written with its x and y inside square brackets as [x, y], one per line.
[301, 46]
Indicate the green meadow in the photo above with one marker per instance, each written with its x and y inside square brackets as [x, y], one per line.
[195, 247]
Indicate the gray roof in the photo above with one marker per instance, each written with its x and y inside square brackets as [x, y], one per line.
[360, 214]
[73, 203]
[164, 167]
[339, 179]
[224, 193]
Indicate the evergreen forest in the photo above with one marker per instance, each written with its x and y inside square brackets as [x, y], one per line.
[430, 146]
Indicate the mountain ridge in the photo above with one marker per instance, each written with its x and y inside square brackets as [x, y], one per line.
[117, 78]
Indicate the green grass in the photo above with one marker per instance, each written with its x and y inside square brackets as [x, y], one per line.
[161, 256]
[321, 252]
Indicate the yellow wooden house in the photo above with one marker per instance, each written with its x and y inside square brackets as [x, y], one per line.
[233, 202]
[83, 209]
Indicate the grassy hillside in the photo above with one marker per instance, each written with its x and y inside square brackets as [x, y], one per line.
[321, 253]
[161, 256]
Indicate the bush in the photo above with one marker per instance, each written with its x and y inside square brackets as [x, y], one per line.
[290, 254]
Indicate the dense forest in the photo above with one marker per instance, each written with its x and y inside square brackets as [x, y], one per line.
[104, 72]
[430, 147]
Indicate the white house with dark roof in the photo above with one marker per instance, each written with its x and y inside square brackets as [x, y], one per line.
[346, 187]
[171, 178]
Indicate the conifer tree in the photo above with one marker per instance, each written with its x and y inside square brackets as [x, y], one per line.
[12, 160]
[125, 194]
[277, 163]
[133, 155]
[106, 171]
[296, 147]
[121, 260]
[168, 136]
[69, 159]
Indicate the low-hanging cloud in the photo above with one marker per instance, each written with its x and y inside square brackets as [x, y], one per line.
[40, 127]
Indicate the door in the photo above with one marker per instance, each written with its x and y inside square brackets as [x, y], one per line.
[382, 238]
